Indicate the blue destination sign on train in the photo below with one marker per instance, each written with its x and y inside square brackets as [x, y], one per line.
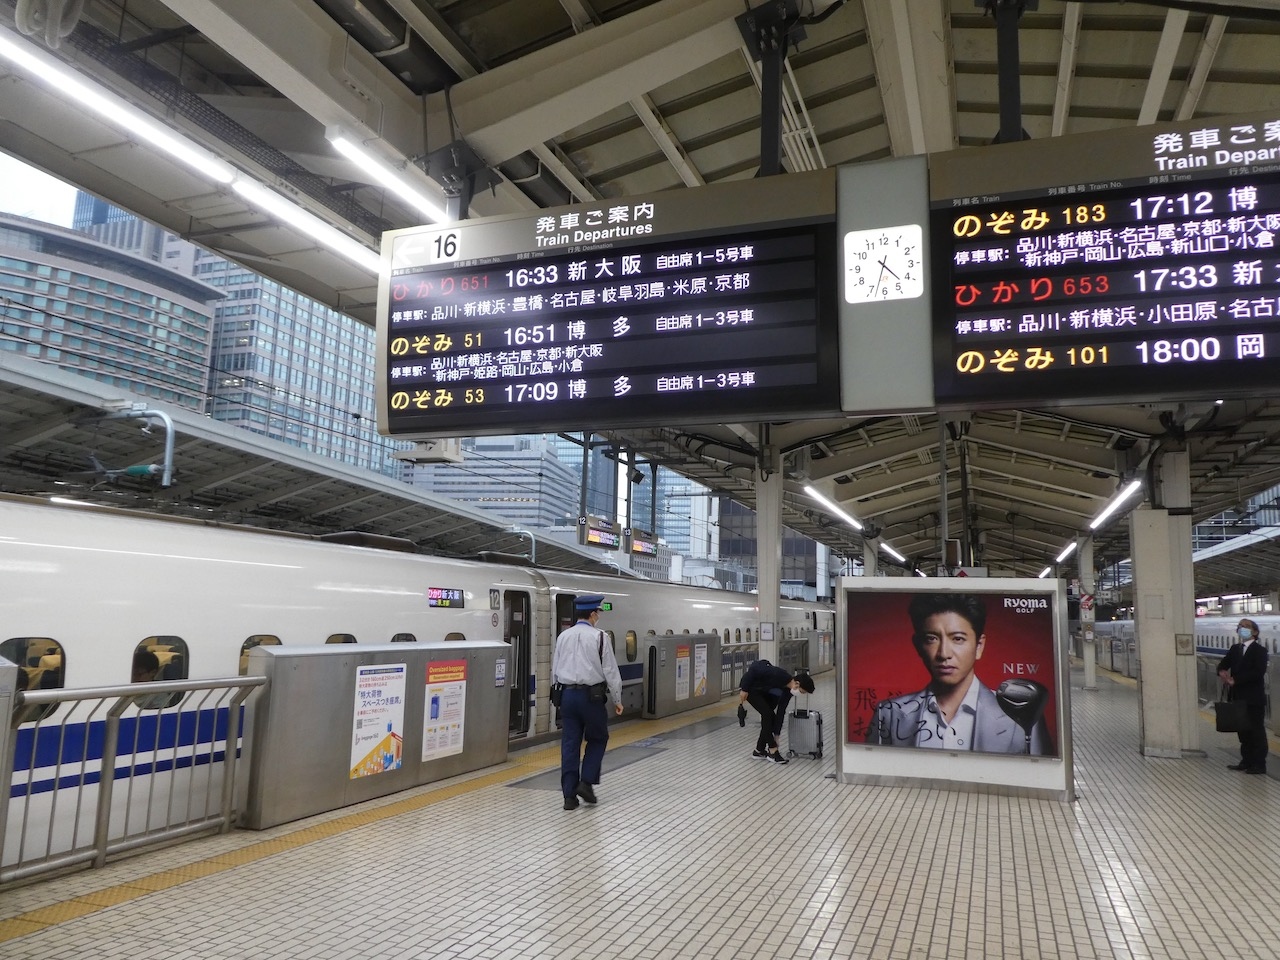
[445, 597]
[1144, 267]
[688, 306]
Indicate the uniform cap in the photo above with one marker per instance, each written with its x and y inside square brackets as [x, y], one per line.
[588, 602]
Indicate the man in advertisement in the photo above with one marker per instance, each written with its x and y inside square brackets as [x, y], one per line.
[957, 711]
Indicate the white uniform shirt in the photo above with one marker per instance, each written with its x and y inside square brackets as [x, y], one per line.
[578, 659]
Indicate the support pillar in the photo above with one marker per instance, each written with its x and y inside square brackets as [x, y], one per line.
[1164, 601]
[870, 559]
[769, 545]
[1089, 648]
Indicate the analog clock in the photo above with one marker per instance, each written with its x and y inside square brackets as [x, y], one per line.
[886, 263]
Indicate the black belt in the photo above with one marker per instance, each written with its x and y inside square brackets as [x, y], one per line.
[579, 686]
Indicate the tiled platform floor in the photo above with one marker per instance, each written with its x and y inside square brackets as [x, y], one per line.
[696, 850]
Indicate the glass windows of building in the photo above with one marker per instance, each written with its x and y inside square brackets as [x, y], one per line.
[165, 358]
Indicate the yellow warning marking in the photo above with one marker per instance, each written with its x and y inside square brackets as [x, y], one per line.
[528, 762]
[59, 912]
[18, 927]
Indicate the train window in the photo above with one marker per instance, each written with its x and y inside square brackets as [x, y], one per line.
[257, 640]
[40, 667]
[455, 635]
[633, 646]
[737, 635]
[726, 634]
[159, 658]
[404, 638]
[651, 633]
[341, 638]
[685, 630]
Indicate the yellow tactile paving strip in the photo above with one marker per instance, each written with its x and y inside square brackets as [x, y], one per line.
[524, 764]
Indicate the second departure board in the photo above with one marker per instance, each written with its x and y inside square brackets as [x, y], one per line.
[1159, 285]
[698, 306]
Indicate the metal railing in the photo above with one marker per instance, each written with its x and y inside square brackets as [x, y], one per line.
[735, 658]
[95, 772]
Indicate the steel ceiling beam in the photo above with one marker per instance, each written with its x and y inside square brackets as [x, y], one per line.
[1072, 14]
[512, 107]
[1175, 25]
[911, 50]
[1206, 52]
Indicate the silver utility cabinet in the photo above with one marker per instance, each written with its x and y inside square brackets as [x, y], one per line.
[341, 723]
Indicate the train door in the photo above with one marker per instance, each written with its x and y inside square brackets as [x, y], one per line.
[518, 631]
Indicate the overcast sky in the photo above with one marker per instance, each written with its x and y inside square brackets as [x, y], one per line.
[28, 192]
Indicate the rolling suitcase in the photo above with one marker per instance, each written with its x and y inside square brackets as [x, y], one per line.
[804, 732]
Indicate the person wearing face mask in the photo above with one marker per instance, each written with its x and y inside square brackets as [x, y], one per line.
[1242, 670]
[956, 711]
[768, 689]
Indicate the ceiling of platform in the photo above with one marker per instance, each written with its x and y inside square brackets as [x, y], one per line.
[571, 100]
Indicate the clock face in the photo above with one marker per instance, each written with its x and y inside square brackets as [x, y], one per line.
[886, 263]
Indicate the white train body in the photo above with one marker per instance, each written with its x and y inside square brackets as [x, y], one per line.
[1213, 635]
[85, 588]
[93, 584]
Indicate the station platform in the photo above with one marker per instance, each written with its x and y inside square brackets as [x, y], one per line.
[697, 850]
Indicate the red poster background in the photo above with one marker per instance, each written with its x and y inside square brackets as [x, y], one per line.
[882, 662]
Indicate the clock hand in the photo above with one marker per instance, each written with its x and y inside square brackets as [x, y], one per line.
[885, 266]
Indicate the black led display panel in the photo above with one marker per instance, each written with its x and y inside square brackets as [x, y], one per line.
[1165, 286]
[547, 324]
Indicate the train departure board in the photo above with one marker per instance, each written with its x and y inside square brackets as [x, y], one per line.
[692, 306]
[1148, 270]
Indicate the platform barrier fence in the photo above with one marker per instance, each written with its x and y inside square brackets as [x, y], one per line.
[92, 773]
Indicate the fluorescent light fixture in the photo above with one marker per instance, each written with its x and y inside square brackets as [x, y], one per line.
[271, 202]
[137, 125]
[385, 174]
[132, 121]
[832, 508]
[1069, 549]
[892, 552]
[1044, 573]
[1133, 487]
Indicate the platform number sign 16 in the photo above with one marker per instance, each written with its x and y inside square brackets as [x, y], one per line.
[445, 246]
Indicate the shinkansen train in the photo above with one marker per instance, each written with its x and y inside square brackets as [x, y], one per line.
[85, 588]
[1214, 635]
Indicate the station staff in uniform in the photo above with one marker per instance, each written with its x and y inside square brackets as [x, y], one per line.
[584, 663]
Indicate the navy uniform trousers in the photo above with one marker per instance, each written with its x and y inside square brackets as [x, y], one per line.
[581, 718]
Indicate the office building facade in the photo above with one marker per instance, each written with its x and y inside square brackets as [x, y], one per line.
[104, 313]
[280, 364]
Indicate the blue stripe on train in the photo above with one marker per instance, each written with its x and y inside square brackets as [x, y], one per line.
[37, 747]
[628, 672]
[136, 769]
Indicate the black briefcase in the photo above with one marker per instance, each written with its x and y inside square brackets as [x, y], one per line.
[1231, 716]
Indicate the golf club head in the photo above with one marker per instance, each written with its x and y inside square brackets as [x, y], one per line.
[1023, 701]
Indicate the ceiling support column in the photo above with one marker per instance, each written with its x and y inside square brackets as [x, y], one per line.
[1084, 563]
[769, 542]
[1164, 610]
